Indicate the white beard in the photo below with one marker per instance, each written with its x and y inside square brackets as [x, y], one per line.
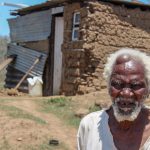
[128, 117]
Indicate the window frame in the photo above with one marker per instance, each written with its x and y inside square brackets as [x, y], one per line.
[74, 18]
[73, 34]
[75, 26]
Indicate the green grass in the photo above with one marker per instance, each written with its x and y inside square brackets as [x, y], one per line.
[2, 85]
[18, 113]
[4, 100]
[62, 107]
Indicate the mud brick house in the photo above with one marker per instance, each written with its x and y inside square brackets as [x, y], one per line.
[75, 38]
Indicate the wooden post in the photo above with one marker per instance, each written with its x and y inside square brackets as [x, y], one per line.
[23, 78]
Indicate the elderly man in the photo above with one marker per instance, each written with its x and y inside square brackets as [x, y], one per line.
[126, 124]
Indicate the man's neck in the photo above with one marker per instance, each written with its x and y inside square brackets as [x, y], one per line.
[126, 133]
[125, 125]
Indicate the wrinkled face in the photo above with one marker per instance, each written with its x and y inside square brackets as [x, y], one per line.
[128, 88]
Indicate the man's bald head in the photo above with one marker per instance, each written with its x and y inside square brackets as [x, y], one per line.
[127, 55]
[125, 63]
[123, 58]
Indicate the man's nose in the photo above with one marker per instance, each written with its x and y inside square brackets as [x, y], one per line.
[126, 93]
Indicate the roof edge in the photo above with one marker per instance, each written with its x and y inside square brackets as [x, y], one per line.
[58, 3]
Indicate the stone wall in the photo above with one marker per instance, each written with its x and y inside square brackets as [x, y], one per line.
[104, 28]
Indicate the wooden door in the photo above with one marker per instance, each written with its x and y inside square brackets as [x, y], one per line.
[58, 40]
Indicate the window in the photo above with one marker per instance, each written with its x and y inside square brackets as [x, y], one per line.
[75, 29]
[76, 18]
[75, 33]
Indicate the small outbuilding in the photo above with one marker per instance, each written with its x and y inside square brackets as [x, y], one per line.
[74, 38]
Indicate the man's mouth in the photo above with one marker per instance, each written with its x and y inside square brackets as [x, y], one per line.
[126, 107]
[125, 104]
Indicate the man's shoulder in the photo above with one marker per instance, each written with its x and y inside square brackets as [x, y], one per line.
[147, 107]
[145, 114]
[146, 110]
[95, 114]
[94, 117]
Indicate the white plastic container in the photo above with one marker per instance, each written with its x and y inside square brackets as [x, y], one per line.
[35, 86]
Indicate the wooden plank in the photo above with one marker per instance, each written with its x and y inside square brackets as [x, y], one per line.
[57, 10]
[57, 75]
[31, 27]
[27, 73]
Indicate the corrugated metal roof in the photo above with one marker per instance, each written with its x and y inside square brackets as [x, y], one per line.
[57, 3]
[24, 28]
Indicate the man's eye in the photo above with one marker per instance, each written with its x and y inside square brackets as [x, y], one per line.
[117, 85]
[137, 86]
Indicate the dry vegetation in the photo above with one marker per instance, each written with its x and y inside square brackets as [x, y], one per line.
[3, 49]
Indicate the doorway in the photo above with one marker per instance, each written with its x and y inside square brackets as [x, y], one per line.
[58, 40]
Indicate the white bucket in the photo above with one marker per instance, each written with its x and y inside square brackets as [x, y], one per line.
[35, 86]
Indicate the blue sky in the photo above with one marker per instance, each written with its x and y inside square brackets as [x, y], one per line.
[5, 11]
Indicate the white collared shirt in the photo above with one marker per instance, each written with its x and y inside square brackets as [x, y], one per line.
[94, 133]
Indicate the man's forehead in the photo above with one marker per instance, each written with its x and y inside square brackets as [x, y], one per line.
[126, 64]
[129, 60]
[123, 58]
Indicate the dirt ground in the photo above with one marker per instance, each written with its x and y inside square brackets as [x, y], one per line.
[20, 132]
[24, 134]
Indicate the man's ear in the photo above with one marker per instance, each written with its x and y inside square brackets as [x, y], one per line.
[147, 96]
[147, 91]
[109, 86]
